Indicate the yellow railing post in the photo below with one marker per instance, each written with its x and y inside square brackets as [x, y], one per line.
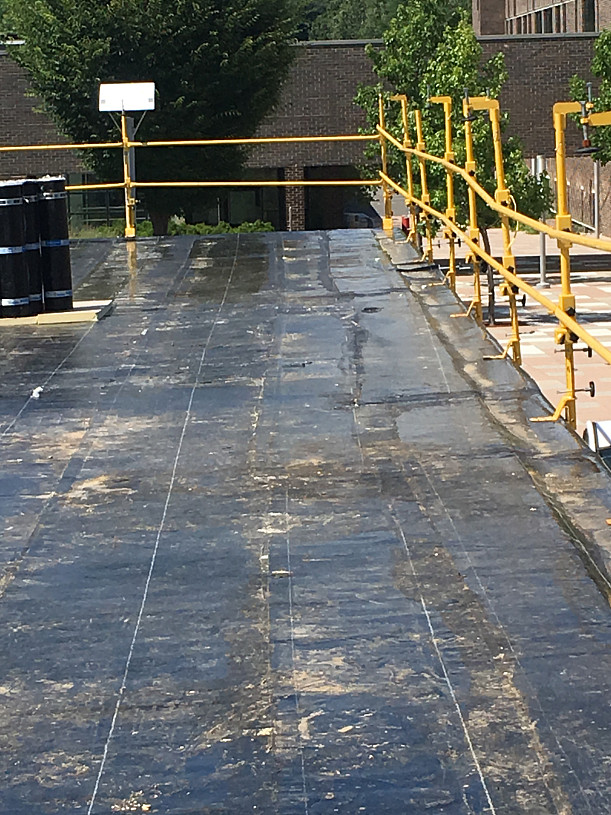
[413, 236]
[387, 220]
[503, 197]
[470, 168]
[564, 223]
[130, 201]
[426, 198]
[449, 156]
[569, 327]
[563, 218]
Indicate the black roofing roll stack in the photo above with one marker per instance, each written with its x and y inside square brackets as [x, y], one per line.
[55, 245]
[14, 283]
[31, 249]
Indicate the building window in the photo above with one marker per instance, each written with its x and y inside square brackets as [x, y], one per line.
[548, 25]
[589, 15]
[539, 22]
[557, 20]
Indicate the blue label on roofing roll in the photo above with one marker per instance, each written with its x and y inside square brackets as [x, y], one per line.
[65, 293]
[32, 247]
[10, 202]
[11, 250]
[19, 301]
[35, 298]
[53, 244]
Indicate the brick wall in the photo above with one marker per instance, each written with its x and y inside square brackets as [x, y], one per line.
[318, 96]
[22, 123]
[581, 190]
[295, 198]
[540, 69]
[318, 99]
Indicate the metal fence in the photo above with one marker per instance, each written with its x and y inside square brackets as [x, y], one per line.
[423, 214]
[569, 331]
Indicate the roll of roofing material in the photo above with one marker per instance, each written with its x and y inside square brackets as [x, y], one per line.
[31, 249]
[14, 285]
[55, 245]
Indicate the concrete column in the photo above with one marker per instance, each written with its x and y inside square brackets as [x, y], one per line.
[539, 171]
[295, 199]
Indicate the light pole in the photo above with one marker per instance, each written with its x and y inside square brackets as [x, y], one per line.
[121, 97]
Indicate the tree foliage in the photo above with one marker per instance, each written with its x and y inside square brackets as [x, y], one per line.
[217, 66]
[305, 13]
[431, 50]
[350, 19]
[5, 31]
[601, 69]
[353, 19]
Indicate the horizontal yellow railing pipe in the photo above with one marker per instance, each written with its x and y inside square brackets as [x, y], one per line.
[557, 234]
[8, 148]
[353, 182]
[119, 185]
[262, 140]
[572, 325]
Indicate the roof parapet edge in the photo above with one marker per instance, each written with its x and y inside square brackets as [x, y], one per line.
[335, 43]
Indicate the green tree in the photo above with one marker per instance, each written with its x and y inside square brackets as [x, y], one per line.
[217, 66]
[6, 32]
[601, 69]
[431, 50]
[305, 14]
[353, 19]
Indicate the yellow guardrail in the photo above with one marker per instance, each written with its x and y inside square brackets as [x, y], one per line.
[569, 329]
[13, 148]
[572, 325]
[345, 182]
[552, 232]
[130, 184]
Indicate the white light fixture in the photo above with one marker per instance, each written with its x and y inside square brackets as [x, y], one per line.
[120, 97]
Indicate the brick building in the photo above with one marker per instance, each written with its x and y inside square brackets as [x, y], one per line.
[540, 68]
[540, 16]
[317, 99]
[545, 43]
[489, 16]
